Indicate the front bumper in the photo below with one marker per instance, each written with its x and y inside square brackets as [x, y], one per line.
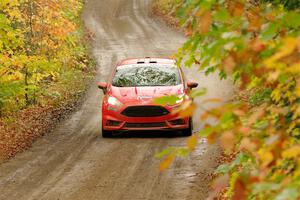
[115, 121]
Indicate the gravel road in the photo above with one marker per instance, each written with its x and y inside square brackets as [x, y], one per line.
[74, 162]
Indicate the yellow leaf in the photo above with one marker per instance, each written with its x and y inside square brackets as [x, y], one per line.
[266, 157]
[238, 9]
[295, 68]
[167, 162]
[298, 91]
[276, 95]
[289, 45]
[192, 142]
[186, 110]
[292, 152]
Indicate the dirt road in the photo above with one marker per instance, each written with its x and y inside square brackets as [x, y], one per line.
[74, 162]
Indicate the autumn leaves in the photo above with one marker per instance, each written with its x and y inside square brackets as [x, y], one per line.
[257, 45]
[41, 42]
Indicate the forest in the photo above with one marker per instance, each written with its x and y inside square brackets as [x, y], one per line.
[44, 62]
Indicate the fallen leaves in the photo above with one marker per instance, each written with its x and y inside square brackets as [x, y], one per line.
[29, 124]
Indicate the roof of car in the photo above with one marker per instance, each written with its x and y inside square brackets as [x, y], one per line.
[146, 60]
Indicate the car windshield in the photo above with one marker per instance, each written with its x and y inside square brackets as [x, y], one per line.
[146, 75]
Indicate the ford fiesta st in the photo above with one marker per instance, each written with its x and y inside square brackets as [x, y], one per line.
[128, 102]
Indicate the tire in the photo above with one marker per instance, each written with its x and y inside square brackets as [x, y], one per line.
[106, 134]
[189, 131]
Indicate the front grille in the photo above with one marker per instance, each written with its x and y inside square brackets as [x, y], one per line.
[145, 125]
[145, 111]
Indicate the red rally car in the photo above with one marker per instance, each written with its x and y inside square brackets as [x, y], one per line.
[128, 102]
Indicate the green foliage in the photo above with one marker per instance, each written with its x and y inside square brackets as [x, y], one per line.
[260, 96]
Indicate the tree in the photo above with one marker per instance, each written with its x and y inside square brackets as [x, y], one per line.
[258, 45]
[41, 40]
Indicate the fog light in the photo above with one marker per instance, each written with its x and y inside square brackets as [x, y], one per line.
[112, 123]
[177, 122]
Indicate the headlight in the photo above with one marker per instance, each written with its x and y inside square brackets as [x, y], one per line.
[114, 103]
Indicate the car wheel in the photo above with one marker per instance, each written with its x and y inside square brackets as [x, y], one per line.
[188, 131]
[106, 134]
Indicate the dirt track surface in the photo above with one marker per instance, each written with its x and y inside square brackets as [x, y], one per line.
[74, 162]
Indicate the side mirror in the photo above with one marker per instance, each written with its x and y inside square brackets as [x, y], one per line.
[192, 84]
[102, 86]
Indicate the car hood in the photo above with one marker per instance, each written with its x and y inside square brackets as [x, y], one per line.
[144, 94]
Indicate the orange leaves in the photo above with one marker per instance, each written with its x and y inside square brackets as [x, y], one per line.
[227, 140]
[253, 44]
[239, 112]
[248, 145]
[254, 18]
[205, 22]
[245, 130]
[257, 45]
[255, 116]
[211, 138]
[172, 153]
[192, 142]
[186, 110]
[214, 112]
[239, 190]
[167, 162]
[228, 64]
[236, 8]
